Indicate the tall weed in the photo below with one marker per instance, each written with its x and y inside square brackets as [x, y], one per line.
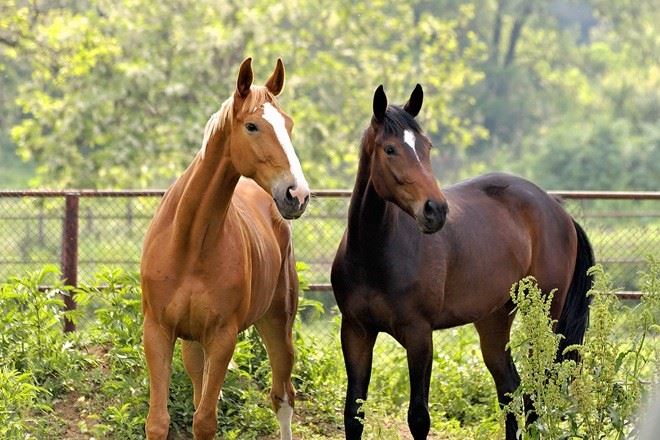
[600, 397]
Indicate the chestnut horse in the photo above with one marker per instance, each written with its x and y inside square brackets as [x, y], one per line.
[217, 256]
[414, 259]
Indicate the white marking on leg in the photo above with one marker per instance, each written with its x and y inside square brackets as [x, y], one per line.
[284, 415]
[409, 139]
[275, 118]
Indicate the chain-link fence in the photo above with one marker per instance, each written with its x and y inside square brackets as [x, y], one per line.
[109, 228]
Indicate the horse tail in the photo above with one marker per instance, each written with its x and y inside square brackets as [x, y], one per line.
[575, 314]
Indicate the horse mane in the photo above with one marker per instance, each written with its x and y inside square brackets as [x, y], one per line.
[223, 117]
[397, 119]
[395, 122]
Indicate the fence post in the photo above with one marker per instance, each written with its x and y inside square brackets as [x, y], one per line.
[69, 261]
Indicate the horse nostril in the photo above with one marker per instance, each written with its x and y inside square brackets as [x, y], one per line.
[430, 208]
[297, 195]
[289, 195]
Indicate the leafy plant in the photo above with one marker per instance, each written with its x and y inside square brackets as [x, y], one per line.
[600, 397]
[542, 379]
[32, 339]
[18, 395]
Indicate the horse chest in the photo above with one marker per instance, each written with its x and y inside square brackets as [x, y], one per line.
[387, 308]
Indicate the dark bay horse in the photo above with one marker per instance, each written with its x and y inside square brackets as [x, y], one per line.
[414, 259]
[217, 257]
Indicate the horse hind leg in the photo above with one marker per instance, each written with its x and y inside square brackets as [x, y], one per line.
[218, 348]
[158, 348]
[193, 362]
[494, 331]
[276, 331]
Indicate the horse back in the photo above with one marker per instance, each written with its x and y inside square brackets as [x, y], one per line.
[501, 229]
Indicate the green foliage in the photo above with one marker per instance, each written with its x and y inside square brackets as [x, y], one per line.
[104, 93]
[461, 386]
[617, 374]
[18, 394]
[38, 362]
[544, 380]
[118, 92]
[32, 339]
[103, 365]
[116, 331]
[600, 397]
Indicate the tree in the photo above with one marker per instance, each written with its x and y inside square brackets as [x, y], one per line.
[116, 94]
[119, 92]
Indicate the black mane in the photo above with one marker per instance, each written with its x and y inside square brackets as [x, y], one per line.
[397, 120]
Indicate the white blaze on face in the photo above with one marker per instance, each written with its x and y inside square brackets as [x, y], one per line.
[275, 118]
[409, 139]
[284, 414]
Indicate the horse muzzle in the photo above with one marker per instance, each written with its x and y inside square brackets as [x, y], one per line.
[432, 216]
[291, 200]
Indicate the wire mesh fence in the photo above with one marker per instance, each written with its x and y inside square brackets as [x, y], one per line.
[623, 227]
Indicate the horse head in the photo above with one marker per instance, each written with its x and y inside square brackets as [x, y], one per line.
[400, 161]
[260, 144]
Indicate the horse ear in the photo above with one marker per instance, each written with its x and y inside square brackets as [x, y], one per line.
[414, 104]
[276, 81]
[380, 104]
[244, 80]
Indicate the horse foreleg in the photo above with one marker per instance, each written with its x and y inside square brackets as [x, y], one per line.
[158, 348]
[218, 346]
[494, 333]
[419, 346]
[357, 344]
[193, 362]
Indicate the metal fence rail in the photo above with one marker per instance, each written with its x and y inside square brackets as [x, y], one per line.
[85, 230]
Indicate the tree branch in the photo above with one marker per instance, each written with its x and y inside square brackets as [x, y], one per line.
[497, 33]
[516, 31]
[8, 42]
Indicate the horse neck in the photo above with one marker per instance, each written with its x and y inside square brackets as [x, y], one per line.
[367, 212]
[206, 190]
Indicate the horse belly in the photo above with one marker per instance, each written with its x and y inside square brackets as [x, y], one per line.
[471, 298]
[263, 272]
[263, 289]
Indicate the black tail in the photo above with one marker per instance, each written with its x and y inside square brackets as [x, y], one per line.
[575, 314]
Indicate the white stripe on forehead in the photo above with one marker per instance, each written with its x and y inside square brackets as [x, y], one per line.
[409, 139]
[275, 118]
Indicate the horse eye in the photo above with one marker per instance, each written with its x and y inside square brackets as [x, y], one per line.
[389, 150]
[251, 127]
